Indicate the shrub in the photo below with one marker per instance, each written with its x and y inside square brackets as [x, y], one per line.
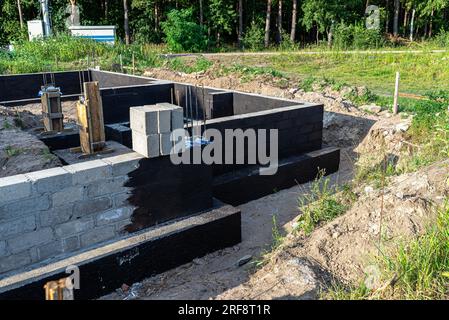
[356, 37]
[254, 37]
[182, 34]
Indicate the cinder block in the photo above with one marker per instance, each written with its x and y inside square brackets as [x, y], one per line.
[165, 143]
[86, 207]
[164, 118]
[146, 145]
[177, 119]
[21, 207]
[121, 199]
[89, 171]
[124, 163]
[74, 227]
[144, 119]
[111, 216]
[31, 239]
[14, 188]
[97, 235]
[3, 251]
[100, 188]
[50, 250]
[56, 215]
[14, 261]
[50, 180]
[71, 244]
[68, 195]
[14, 227]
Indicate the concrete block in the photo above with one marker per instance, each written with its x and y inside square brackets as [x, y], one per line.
[144, 119]
[56, 215]
[50, 180]
[177, 118]
[86, 207]
[14, 261]
[71, 244]
[121, 199]
[165, 143]
[97, 235]
[74, 227]
[50, 250]
[146, 145]
[31, 239]
[124, 163]
[14, 188]
[164, 120]
[112, 216]
[112, 185]
[89, 171]
[3, 251]
[19, 208]
[14, 227]
[68, 195]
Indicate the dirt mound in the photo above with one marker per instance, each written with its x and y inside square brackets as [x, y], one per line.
[20, 151]
[343, 247]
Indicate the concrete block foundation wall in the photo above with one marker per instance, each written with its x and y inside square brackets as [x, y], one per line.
[62, 210]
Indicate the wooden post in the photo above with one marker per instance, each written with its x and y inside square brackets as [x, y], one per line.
[51, 109]
[396, 94]
[134, 65]
[90, 119]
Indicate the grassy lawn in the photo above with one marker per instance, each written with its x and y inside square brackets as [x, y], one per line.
[420, 72]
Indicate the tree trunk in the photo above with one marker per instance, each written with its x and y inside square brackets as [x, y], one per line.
[387, 16]
[19, 7]
[431, 23]
[267, 24]
[412, 22]
[396, 18]
[126, 21]
[405, 19]
[106, 9]
[294, 12]
[201, 12]
[240, 31]
[279, 31]
[156, 16]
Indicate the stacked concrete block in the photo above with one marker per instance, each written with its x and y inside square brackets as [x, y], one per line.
[152, 126]
[46, 213]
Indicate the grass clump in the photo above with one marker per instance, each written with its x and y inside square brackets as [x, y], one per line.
[198, 65]
[276, 243]
[321, 204]
[12, 151]
[414, 269]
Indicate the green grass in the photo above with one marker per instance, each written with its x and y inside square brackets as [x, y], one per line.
[12, 151]
[419, 71]
[413, 269]
[321, 204]
[276, 243]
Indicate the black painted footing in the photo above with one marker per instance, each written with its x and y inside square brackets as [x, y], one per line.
[106, 268]
[247, 184]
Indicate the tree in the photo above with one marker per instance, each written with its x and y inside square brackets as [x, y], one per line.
[182, 33]
[396, 18]
[267, 24]
[321, 14]
[294, 13]
[201, 12]
[240, 30]
[126, 21]
[19, 7]
[279, 23]
[223, 15]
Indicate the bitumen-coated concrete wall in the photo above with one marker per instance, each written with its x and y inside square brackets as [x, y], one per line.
[63, 210]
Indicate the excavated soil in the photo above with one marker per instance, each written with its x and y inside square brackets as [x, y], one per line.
[20, 150]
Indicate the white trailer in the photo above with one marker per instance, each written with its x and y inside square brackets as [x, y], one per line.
[98, 33]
